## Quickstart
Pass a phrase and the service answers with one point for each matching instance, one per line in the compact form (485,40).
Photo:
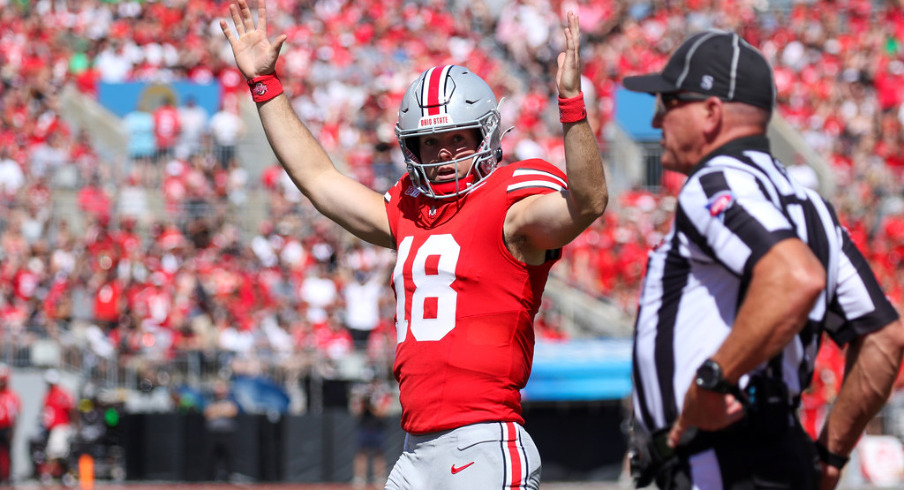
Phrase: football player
(475,241)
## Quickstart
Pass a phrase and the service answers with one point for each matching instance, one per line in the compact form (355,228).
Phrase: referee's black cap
(713,63)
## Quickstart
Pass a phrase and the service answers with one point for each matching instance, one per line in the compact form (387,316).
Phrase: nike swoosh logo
(456,470)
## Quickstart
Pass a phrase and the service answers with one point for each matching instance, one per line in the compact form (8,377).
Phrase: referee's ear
(713,122)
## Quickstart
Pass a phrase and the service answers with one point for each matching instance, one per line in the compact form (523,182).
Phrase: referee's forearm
(785,285)
(872,367)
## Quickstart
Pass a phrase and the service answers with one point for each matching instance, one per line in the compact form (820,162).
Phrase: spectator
(112,62)
(11,177)
(220,421)
(167,129)
(361,298)
(48,156)
(132,201)
(226,128)
(10,408)
(318,293)
(193,119)
(58,414)
(142,145)
(370,404)
(94,200)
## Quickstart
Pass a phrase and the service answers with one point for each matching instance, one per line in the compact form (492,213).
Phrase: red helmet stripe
(436,90)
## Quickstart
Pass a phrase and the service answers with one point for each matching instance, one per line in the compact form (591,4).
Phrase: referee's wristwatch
(709,377)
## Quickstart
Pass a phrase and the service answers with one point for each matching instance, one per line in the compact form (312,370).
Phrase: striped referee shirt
(733,208)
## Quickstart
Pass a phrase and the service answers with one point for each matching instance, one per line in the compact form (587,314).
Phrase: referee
(736,298)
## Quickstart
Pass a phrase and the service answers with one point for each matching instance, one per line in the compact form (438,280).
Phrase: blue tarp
(580,370)
(259,395)
(634,113)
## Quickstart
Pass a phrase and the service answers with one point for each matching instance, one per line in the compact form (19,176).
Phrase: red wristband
(572,110)
(265,87)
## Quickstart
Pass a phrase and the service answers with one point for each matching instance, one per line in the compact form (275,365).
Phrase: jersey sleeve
(534,176)
(392,199)
(731,218)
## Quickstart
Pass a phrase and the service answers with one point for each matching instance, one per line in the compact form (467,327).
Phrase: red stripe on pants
(514,456)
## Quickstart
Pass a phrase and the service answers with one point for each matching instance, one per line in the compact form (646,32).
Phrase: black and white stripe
(696,279)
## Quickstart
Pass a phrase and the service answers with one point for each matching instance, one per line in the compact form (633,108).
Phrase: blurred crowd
(190,283)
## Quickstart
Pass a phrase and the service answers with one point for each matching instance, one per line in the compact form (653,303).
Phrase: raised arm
(352,205)
(551,221)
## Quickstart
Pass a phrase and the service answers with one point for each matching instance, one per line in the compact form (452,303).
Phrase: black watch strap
(830,458)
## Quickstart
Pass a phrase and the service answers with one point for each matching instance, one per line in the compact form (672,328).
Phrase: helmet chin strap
(453,186)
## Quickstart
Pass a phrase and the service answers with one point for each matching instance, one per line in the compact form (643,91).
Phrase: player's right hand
(254,54)
(568,77)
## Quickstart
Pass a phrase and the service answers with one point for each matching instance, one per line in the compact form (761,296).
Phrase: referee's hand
(830,477)
(705,410)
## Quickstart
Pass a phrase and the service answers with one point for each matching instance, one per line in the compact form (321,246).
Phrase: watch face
(709,375)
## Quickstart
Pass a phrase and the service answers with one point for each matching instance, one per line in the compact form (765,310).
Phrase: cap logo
(707,82)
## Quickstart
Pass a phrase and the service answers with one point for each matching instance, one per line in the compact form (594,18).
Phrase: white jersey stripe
(529,171)
(534,183)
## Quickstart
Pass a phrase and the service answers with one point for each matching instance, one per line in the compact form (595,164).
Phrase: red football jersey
(464,304)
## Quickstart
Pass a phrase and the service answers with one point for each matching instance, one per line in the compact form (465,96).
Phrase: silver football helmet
(449,98)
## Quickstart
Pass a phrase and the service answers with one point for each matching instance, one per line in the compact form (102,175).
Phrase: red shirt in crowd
(166,126)
(58,406)
(10,408)
(107,301)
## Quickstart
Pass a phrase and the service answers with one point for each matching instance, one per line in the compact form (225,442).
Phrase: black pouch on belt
(768,409)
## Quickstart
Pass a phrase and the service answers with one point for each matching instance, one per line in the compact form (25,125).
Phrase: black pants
(749,461)
(5,455)
(219,456)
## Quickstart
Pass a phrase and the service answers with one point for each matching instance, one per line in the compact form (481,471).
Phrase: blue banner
(123,98)
(580,370)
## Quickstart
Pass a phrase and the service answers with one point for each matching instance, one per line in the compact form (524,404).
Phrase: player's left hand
(705,410)
(568,78)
